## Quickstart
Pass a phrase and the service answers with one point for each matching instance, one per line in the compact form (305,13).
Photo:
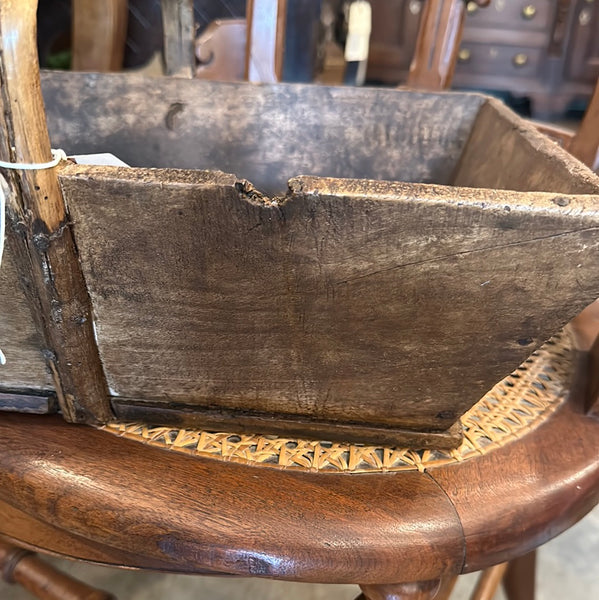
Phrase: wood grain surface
(264,133)
(512,500)
(40,239)
(99,34)
(179,34)
(359,302)
(507,153)
(226,517)
(190,514)
(585,143)
(39,536)
(25,368)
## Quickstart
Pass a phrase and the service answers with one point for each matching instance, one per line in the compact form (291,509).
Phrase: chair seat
(90,494)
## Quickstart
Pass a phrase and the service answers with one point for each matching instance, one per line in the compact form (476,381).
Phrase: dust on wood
(505,152)
(263,133)
(388,304)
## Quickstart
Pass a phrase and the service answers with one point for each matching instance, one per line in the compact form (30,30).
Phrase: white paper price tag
(358,34)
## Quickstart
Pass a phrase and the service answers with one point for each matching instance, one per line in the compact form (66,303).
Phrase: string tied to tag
(57,156)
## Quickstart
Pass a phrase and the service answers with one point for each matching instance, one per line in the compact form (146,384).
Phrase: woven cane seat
(515,406)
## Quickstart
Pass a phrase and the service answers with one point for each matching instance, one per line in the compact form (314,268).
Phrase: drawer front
(499,60)
(513,14)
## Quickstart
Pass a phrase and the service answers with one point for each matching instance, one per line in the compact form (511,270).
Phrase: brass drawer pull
(529,12)
(471,7)
(520,59)
(464,55)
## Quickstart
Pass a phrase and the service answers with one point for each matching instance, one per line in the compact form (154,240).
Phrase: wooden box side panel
(508,153)
(25,369)
(263,133)
(356,301)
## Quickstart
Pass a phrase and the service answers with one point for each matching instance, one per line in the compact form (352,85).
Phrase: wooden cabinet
(547,50)
(583,53)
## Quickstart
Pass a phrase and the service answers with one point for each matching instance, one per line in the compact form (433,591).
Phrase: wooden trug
(342,306)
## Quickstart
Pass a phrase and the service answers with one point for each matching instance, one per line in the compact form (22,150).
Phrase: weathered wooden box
(395,255)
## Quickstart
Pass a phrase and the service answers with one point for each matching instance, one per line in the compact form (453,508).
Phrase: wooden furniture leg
(446,587)
(488,582)
(99,34)
(437,45)
(519,579)
(43,581)
(420,590)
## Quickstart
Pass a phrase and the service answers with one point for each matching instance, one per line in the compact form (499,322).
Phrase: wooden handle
(39,235)
(27,137)
(43,581)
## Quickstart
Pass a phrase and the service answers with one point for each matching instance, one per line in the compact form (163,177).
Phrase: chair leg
(488,582)
(43,581)
(421,590)
(446,587)
(519,580)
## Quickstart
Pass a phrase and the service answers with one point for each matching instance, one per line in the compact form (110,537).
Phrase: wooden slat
(505,152)
(356,301)
(265,44)
(99,34)
(27,403)
(264,133)
(179,34)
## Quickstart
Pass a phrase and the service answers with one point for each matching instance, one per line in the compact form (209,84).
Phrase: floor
(568,568)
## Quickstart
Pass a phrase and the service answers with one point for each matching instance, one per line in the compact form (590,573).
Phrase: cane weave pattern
(519,403)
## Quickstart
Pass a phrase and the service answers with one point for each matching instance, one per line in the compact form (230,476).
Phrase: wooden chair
(402,525)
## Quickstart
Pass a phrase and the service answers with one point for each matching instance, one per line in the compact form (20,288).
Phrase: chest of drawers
(547,50)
